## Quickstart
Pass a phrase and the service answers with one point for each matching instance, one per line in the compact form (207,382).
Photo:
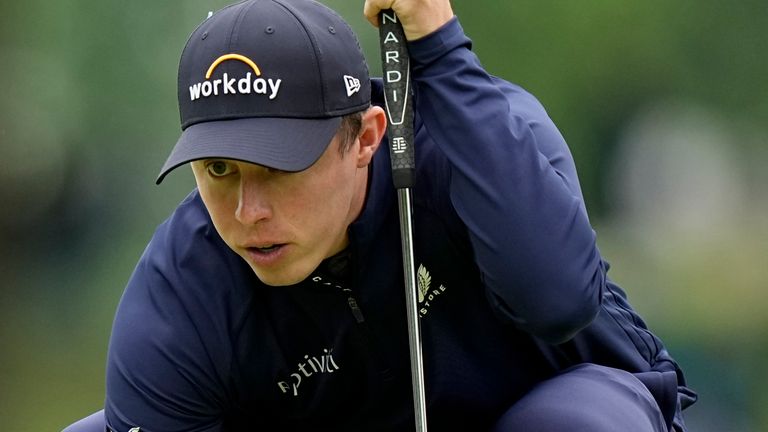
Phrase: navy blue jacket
(512,289)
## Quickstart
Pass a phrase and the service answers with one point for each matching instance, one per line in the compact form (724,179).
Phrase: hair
(349,130)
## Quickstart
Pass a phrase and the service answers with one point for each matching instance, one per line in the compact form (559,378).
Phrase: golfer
(272,298)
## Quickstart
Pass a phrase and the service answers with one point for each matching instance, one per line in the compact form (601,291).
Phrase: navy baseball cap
(266,82)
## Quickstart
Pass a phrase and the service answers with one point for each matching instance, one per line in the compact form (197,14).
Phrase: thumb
(373,8)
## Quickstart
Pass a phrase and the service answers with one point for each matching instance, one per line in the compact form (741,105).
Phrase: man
(272,298)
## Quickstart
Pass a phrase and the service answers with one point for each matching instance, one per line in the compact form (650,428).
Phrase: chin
(278,279)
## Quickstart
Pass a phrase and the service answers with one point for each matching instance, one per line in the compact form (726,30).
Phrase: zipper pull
(356,310)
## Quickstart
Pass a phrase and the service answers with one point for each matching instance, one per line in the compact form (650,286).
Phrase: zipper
(382,367)
(356,311)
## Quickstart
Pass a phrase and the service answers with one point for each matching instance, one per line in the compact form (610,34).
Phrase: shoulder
(186,275)
(187,246)
(187,289)
(173,331)
(189,224)
(186,261)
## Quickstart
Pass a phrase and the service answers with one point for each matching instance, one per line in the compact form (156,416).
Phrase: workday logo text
(250,83)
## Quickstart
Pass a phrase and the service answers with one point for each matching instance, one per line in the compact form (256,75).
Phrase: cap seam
(318,55)
(354,38)
(184,52)
(233,38)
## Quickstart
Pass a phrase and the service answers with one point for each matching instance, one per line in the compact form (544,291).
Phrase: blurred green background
(664,104)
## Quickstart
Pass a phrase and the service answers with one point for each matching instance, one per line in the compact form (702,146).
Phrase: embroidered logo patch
(427,295)
(234,85)
(352,84)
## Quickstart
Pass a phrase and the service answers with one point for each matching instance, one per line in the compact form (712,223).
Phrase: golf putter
(399,107)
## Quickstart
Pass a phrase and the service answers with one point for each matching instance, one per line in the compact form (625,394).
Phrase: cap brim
(287,144)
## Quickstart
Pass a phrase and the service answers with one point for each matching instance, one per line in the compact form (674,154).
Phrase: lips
(266,255)
(266,249)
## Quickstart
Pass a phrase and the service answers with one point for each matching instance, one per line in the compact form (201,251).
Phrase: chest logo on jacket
(427,295)
(312,365)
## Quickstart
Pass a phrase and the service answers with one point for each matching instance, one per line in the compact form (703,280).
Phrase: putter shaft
(412,304)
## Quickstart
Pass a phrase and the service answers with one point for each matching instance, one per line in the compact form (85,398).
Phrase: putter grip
(397,96)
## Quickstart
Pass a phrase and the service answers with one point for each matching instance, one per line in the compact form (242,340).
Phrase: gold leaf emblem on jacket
(424,279)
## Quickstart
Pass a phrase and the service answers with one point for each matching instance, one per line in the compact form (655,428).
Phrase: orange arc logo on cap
(226,57)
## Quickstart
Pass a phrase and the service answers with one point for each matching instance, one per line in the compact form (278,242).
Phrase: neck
(356,206)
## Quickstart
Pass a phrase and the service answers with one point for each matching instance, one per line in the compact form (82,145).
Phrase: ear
(372,130)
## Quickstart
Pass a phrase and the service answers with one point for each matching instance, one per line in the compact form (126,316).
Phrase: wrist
(437,44)
(426,24)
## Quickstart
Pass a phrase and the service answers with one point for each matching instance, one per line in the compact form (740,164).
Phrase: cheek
(309,205)
(325,201)
(222,215)
(334,189)
(221,208)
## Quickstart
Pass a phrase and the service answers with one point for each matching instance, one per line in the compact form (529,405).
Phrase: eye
(219,168)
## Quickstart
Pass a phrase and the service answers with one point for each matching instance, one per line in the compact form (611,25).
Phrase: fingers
(373,8)
(418,17)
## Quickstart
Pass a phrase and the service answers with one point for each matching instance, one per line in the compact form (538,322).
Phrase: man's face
(284,224)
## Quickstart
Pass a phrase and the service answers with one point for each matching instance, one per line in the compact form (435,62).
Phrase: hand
(419,17)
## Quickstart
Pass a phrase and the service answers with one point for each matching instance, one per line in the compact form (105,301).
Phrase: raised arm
(513,182)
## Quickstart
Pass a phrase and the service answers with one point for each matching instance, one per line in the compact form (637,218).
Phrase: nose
(253,204)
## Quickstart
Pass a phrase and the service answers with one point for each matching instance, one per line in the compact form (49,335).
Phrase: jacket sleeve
(160,375)
(514,185)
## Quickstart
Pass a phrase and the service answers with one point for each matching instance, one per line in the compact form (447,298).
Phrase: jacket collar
(380,197)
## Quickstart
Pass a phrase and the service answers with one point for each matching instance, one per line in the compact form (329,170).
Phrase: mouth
(267,255)
(266,249)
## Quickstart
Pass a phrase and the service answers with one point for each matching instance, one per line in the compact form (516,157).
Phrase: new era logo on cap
(352,84)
